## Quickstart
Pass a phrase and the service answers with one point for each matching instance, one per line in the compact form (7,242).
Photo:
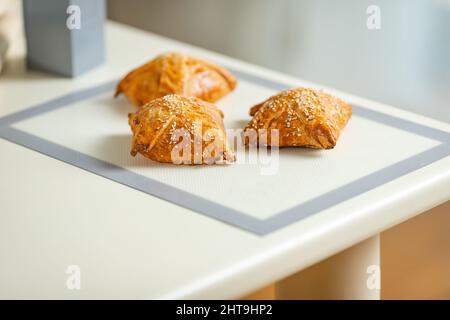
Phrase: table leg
(351,274)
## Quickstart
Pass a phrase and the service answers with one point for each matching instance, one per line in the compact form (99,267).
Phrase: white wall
(406,63)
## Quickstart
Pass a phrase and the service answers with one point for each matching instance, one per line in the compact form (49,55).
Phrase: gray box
(65,37)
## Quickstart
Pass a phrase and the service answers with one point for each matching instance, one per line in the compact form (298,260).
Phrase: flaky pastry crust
(163,126)
(304,117)
(174,73)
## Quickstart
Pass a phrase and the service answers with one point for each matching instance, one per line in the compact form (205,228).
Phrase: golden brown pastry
(174,73)
(304,118)
(179,130)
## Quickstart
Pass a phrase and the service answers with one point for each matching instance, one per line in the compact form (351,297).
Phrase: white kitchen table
(71,195)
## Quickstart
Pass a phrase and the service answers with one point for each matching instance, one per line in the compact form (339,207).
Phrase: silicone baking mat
(89,129)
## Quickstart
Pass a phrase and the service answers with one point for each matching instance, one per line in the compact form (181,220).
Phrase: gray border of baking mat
(210,208)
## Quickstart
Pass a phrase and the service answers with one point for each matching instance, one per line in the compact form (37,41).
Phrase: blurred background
(405,63)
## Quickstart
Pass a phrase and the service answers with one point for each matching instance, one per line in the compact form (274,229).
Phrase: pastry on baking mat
(304,118)
(174,73)
(180,130)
